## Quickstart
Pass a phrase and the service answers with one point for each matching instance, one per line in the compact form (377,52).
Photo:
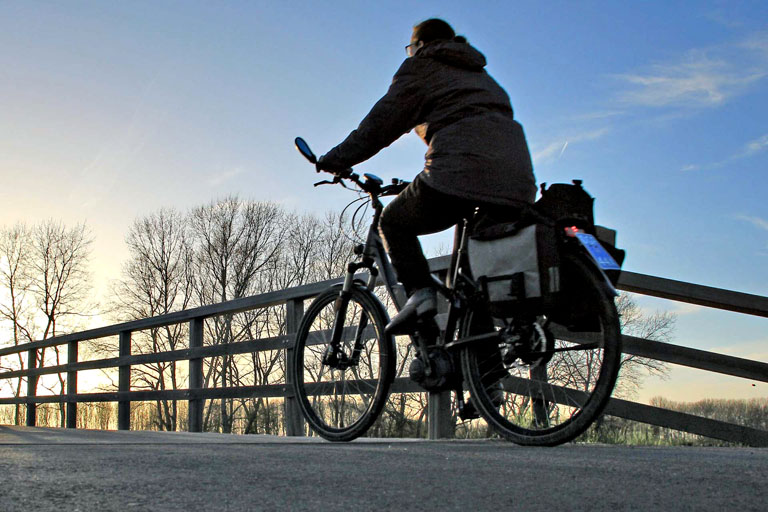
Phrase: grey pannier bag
(516,266)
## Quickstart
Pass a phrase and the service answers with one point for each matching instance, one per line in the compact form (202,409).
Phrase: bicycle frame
(374,258)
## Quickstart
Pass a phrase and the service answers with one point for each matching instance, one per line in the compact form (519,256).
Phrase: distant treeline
(751,413)
(269,419)
(748,413)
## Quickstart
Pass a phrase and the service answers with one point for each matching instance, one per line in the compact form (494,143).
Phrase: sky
(112,110)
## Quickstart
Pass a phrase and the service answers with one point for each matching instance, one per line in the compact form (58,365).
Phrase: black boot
(422,304)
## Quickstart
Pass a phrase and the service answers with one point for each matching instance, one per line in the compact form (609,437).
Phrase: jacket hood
(457,54)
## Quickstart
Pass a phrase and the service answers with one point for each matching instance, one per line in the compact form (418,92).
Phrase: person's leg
(417,210)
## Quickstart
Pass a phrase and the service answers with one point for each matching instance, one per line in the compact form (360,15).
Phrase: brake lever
(336,179)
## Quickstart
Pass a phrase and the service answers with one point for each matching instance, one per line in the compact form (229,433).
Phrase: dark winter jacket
(476,148)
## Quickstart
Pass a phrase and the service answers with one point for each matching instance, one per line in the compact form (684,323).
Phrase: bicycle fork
(334,356)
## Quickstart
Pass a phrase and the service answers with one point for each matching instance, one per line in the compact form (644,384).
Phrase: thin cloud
(754,349)
(757,43)
(222,177)
(751,148)
(650,306)
(700,78)
(724,17)
(598,115)
(755,221)
(697,82)
(756,146)
(683,309)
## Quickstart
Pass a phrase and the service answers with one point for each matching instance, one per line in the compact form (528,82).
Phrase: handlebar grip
(344,173)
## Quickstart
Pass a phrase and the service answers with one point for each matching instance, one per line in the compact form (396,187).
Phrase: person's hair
(435,29)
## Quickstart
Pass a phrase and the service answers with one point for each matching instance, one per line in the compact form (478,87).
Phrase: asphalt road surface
(50,469)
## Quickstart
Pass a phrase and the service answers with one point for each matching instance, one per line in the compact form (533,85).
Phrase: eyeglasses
(412,48)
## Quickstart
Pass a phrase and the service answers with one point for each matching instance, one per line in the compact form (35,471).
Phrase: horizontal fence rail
(438,411)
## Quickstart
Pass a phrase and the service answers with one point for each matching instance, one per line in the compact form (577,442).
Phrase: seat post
(459,248)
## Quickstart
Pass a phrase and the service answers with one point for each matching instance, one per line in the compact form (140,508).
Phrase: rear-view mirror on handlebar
(303,148)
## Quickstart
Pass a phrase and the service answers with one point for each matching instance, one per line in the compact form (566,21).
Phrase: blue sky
(110,110)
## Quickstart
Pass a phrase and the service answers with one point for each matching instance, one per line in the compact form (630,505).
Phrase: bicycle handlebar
(367,184)
(370,184)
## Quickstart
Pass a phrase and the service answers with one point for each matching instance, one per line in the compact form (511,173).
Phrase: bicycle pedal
(467,411)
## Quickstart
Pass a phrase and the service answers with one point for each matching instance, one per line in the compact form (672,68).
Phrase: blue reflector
(597,251)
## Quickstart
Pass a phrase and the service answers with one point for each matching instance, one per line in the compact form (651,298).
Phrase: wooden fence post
(196,376)
(439,420)
(124,383)
(31,388)
(294,420)
(71,385)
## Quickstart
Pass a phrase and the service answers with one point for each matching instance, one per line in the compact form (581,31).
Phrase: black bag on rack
(567,205)
(570,205)
(518,265)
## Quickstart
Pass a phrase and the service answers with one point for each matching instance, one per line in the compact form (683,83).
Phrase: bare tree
(45,273)
(313,249)
(235,241)
(338,238)
(157,279)
(14,309)
(657,326)
(293,266)
(222,251)
(60,283)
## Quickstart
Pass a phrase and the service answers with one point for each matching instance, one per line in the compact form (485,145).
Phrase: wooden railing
(439,412)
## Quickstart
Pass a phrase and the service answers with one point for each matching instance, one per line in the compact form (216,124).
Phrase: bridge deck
(51,469)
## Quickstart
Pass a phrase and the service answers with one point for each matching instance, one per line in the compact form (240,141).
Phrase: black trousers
(422,210)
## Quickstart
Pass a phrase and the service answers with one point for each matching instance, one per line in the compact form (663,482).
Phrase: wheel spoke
(343,389)
(555,382)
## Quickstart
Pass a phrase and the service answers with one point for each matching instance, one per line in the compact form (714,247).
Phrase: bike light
(572,230)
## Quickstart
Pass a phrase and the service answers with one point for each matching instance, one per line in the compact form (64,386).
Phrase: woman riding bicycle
(477,154)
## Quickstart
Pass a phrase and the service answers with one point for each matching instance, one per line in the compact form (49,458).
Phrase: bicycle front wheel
(342,385)
(549,389)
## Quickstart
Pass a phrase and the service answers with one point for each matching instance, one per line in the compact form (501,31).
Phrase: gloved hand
(329,164)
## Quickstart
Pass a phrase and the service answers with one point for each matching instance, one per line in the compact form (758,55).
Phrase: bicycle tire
(340,404)
(548,401)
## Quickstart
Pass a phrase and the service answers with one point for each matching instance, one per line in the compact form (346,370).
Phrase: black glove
(330,164)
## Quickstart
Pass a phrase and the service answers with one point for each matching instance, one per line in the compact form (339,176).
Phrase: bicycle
(535,382)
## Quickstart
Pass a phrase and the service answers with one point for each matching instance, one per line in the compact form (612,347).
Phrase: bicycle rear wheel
(342,389)
(550,391)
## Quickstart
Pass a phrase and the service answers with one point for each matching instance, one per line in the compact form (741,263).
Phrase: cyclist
(477,154)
